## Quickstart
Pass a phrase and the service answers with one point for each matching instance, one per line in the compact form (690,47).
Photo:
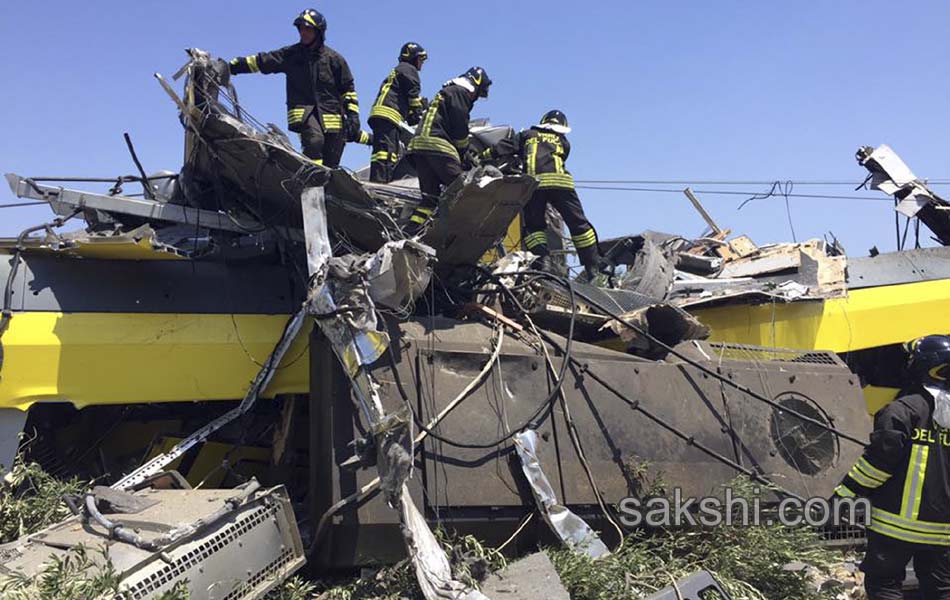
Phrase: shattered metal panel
(470,223)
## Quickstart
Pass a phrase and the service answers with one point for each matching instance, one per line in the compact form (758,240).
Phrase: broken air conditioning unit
(233,544)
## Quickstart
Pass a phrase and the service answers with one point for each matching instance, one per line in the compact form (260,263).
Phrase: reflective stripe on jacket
(317,79)
(398,95)
(904,472)
(543,153)
(444,127)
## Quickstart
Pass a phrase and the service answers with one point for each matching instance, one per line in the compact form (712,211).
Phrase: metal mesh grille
(759,354)
(271,571)
(166,577)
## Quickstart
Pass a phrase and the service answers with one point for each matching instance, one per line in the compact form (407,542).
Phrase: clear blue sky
(654,90)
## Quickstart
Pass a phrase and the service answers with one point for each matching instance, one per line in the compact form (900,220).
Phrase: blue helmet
(412,51)
(311,18)
(480,79)
(929,359)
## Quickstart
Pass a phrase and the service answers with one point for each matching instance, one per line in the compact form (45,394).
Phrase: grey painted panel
(894,268)
(11,424)
(50,283)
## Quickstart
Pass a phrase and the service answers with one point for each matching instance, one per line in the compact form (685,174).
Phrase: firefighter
(322,105)
(439,148)
(398,101)
(544,149)
(905,473)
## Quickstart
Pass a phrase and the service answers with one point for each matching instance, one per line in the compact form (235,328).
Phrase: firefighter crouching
(544,149)
(439,148)
(905,473)
(398,101)
(322,105)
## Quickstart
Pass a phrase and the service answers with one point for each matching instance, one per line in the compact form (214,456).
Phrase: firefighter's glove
(470,159)
(221,70)
(351,127)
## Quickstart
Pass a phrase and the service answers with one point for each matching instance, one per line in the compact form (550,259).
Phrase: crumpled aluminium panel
(573,530)
(342,297)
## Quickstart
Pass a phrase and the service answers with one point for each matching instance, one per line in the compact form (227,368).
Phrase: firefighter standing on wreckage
(905,473)
(398,101)
(440,149)
(322,105)
(544,149)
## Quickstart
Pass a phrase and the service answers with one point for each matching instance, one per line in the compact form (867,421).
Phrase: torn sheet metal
(573,531)
(891,175)
(471,220)
(669,324)
(342,297)
(433,571)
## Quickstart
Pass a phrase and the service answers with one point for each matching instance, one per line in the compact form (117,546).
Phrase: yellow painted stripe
(252,64)
(877,398)
(117,358)
(867,318)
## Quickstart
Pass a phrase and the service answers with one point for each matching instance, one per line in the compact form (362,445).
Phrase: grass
(748,561)
(31,500)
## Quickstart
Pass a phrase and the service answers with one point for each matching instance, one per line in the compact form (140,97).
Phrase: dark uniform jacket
(398,99)
(444,128)
(543,152)
(318,79)
(904,472)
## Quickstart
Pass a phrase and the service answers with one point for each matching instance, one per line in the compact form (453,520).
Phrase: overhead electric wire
(731,193)
(729,182)
(18,204)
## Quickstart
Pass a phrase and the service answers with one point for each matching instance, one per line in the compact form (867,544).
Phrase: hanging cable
(635,405)
(738,386)
(543,407)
